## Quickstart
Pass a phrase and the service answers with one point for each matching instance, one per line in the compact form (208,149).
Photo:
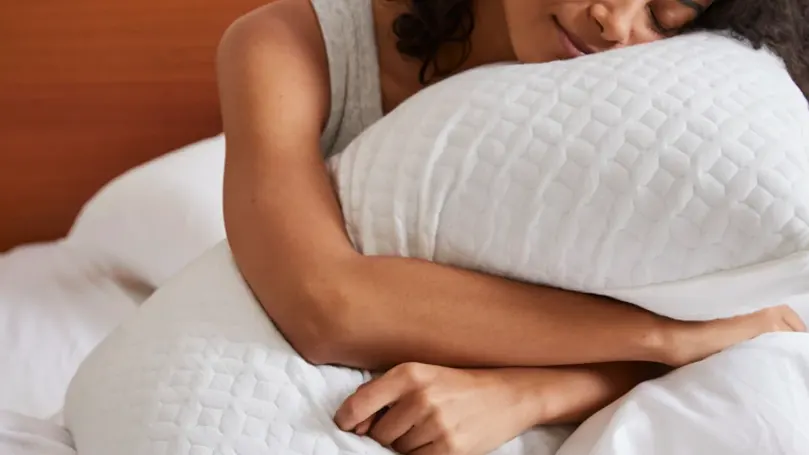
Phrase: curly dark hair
(780,25)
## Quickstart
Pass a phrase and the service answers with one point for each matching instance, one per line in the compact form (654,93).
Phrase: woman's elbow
(321,330)
(319,343)
(311,309)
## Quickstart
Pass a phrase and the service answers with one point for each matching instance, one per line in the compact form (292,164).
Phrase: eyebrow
(693,5)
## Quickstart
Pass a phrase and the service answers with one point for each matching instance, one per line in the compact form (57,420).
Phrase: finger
(368,400)
(363,427)
(791,319)
(419,436)
(400,418)
(795,322)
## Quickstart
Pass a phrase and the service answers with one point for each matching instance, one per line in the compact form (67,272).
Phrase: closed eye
(656,24)
(668,17)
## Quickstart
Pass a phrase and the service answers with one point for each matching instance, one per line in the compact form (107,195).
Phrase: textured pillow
(156,218)
(673,175)
(200,369)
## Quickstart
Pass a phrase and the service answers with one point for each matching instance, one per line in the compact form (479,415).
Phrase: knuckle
(411,371)
(415,375)
(351,409)
(424,399)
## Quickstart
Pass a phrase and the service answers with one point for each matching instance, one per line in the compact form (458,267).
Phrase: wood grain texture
(90,88)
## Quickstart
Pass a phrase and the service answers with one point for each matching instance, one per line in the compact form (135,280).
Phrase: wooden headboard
(90,88)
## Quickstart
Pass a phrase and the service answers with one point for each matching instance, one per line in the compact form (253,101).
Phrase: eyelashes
(656,24)
(693,5)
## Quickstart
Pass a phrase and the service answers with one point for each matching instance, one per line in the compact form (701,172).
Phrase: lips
(572,44)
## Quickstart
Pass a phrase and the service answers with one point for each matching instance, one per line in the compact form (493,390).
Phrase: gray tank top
(356,98)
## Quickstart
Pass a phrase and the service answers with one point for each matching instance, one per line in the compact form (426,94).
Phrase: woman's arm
(453,409)
(288,237)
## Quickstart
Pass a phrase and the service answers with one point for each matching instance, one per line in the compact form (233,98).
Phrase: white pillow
(673,175)
(201,369)
(154,219)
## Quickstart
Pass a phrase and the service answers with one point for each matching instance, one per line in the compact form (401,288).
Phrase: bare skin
(439,410)
(336,306)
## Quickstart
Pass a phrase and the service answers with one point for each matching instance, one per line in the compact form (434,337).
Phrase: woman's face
(548,30)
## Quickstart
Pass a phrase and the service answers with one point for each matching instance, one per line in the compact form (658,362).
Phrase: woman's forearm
(396,310)
(571,395)
(335,306)
(338,307)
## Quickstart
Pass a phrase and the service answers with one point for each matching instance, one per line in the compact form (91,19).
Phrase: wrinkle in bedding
(56,304)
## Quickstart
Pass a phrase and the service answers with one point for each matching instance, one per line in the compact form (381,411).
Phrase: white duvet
(675,179)
(56,304)
(59,299)
(24,435)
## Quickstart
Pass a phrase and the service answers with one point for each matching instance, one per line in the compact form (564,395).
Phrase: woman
(300,78)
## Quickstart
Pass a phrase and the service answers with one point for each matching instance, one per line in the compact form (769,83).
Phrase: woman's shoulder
(334,37)
(277,24)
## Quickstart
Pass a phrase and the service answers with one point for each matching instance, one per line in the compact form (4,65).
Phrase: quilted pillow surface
(673,175)
(656,174)
(200,369)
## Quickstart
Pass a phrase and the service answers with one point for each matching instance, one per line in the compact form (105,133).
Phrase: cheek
(518,11)
(538,44)
(646,37)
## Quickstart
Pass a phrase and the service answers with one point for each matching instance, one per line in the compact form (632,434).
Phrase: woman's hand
(429,410)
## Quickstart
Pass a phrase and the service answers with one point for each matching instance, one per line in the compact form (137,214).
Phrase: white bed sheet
(22,435)
(56,304)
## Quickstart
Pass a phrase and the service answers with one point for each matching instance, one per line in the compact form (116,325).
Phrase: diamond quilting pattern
(648,165)
(201,370)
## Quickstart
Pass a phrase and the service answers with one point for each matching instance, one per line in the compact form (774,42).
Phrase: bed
(89,89)
(93,92)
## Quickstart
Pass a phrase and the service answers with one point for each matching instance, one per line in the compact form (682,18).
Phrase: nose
(616,18)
